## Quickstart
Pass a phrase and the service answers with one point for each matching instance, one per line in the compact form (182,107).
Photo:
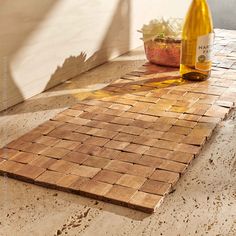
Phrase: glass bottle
(197,42)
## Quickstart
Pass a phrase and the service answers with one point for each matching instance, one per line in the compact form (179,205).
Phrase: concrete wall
(223,13)
(43,43)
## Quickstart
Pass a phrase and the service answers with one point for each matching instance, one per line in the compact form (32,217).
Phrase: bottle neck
(200,2)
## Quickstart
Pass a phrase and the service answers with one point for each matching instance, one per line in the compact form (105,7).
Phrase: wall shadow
(116,41)
(23,28)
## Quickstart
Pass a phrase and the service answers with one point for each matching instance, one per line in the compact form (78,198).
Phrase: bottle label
(204,51)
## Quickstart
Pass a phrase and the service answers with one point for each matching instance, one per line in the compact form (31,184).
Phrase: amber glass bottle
(197,42)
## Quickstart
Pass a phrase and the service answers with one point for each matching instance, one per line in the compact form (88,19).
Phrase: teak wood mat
(130,142)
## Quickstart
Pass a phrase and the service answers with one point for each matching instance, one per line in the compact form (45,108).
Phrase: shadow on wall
(116,41)
(10,46)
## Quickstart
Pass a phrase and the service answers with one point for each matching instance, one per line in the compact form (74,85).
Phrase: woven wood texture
(130,142)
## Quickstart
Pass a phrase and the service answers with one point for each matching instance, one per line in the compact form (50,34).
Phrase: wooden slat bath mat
(130,142)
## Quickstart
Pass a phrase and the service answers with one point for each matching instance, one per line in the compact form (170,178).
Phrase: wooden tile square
(180,130)
(71,112)
(97,141)
(88,149)
(104,117)
(16,144)
(49,178)
(107,176)
(73,136)
(158,152)
(217,111)
(66,181)
(173,166)
(84,171)
(112,127)
(195,139)
(186,123)
(190,117)
(55,152)
(201,131)
(10,167)
(43,162)
(113,112)
(84,129)
(145,201)
(125,137)
(167,120)
(150,161)
(94,124)
(198,109)
(29,172)
(160,126)
(140,170)
(6,153)
(48,126)
(87,115)
(120,107)
(62,118)
(62,166)
(119,166)
(108,153)
(188,148)
(93,131)
(136,148)
(181,157)
(105,133)
(128,157)
(24,157)
(95,188)
(131,181)
(170,136)
(156,187)
(140,107)
(132,130)
(142,140)
(122,121)
(165,176)
(129,115)
(120,194)
(206,119)
(75,186)
(148,133)
(118,145)
(76,157)
(146,117)
(141,124)
(47,140)
(66,144)
(78,121)
(163,144)
(31,136)
(33,147)
(96,162)
(59,133)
